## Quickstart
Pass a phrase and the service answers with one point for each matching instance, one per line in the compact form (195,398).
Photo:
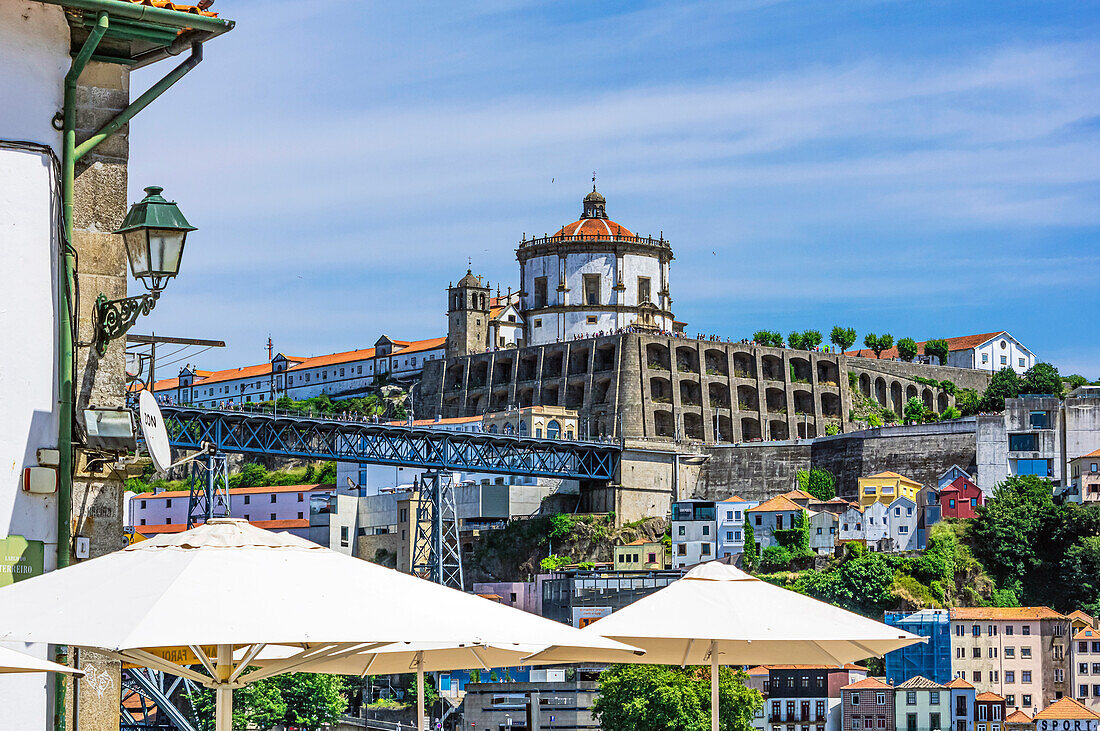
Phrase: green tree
(553,562)
(1004,384)
(863,584)
(1009,529)
(878,343)
(950,413)
(1076,381)
(937,348)
(666,698)
(842,337)
(1041,378)
(1081,567)
(907,349)
(914,410)
(312,700)
(969,401)
(256,705)
(818,482)
(327,475)
(811,339)
(768,337)
(431,695)
(775,558)
(251,475)
(749,558)
(794,339)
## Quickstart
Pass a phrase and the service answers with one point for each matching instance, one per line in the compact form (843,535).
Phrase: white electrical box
(40,480)
(83,547)
(48,457)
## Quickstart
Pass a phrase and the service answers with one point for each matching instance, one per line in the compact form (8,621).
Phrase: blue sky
(924,168)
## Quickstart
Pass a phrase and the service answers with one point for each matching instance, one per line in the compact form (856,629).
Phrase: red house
(960,499)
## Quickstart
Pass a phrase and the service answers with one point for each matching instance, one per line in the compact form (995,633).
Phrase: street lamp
(154,233)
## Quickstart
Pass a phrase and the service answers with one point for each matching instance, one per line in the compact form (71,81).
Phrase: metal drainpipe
(66,354)
(65,327)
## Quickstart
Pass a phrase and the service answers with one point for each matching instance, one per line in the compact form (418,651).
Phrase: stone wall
(752,471)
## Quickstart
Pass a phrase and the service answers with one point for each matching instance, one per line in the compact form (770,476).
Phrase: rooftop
(963,342)
(959,683)
(1018,716)
(867,684)
(919,682)
(239,491)
(1068,708)
(1005,613)
(990,697)
(887,475)
(779,502)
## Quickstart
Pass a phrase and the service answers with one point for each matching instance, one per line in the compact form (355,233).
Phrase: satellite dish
(152,429)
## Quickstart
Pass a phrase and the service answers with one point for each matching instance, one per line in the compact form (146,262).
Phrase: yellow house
(641,555)
(886,487)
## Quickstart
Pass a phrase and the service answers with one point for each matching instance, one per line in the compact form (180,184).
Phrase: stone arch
(926,396)
(690,393)
(529,367)
(716,362)
(773,368)
(744,365)
(574,395)
(725,429)
(454,376)
(827,373)
(942,402)
(880,391)
(552,363)
(747,399)
(602,392)
(479,374)
(687,359)
(502,371)
(911,392)
(605,357)
(750,429)
(806,430)
(657,357)
(578,360)
(477,403)
(499,400)
(898,404)
(718,394)
(526,397)
(803,402)
(830,405)
(660,390)
(662,423)
(778,430)
(776,400)
(693,425)
(549,394)
(800,370)
(865,384)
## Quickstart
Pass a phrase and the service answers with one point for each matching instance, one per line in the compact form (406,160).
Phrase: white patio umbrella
(13,661)
(719,615)
(219,594)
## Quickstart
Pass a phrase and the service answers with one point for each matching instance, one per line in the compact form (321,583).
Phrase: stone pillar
(735,407)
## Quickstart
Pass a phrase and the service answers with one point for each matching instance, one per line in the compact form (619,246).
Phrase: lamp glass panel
(165,251)
(137,252)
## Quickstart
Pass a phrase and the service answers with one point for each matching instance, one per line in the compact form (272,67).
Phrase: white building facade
(593,276)
(694,529)
(731,516)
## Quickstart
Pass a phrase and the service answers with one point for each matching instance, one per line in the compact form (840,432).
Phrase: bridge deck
(294,435)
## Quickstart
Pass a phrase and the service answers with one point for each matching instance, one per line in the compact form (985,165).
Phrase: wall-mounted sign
(20,559)
(584,616)
(1067,724)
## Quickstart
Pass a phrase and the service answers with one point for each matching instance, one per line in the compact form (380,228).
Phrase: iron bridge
(323,438)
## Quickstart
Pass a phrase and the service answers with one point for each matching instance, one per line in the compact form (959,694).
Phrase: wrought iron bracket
(115,317)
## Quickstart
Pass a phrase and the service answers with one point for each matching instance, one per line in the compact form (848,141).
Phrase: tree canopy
(1004,384)
(907,349)
(1041,378)
(937,348)
(768,337)
(843,337)
(878,343)
(818,482)
(305,700)
(667,698)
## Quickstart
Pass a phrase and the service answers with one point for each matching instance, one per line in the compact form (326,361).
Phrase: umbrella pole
(223,693)
(420,691)
(713,685)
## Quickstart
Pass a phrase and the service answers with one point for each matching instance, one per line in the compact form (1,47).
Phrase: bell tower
(467,317)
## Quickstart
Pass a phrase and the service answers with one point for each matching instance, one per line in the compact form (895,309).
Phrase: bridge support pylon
(209,489)
(437,555)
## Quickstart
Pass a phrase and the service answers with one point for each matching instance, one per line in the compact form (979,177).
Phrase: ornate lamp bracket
(115,317)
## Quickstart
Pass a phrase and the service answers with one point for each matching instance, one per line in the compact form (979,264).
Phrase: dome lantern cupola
(595,206)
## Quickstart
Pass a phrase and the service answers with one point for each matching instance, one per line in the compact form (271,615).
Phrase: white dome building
(593,276)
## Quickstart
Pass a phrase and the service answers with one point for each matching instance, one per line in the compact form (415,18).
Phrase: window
(1082,691)
(643,290)
(143,507)
(143,521)
(168,503)
(300,515)
(910,722)
(993,652)
(729,535)
(880,699)
(729,515)
(983,712)
(1010,676)
(985,357)
(1083,667)
(933,721)
(681,530)
(1025,652)
(819,531)
(1023,442)
(343,535)
(273,516)
(706,530)
(737,535)
(301,497)
(976,630)
(903,529)
(591,320)
(959,630)
(911,698)
(651,558)
(857,721)
(272,497)
(1008,629)
(592,289)
(1026,700)
(1059,675)
(991,630)
(1025,676)
(976,676)
(681,549)
(538,323)
(1025,630)
(706,549)
(759,519)
(975,652)
(960,652)
(540,292)
(1010,701)
(1096,690)
(855,699)
(168,521)
(1021,361)
(1096,668)
(1038,420)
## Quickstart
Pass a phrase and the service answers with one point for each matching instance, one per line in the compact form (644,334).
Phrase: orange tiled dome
(594,227)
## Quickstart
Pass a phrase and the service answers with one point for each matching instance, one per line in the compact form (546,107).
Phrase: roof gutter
(148,14)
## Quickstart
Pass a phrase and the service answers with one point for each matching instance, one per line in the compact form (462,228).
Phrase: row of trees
(845,337)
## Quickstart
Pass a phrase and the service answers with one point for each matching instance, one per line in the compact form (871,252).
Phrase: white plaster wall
(635,266)
(34,45)
(993,351)
(903,512)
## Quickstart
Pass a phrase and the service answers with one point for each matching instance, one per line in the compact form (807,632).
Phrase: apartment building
(868,704)
(886,487)
(1084,479)
(963,700)
(694,529)
(732,514)
(1020,653)
(772,515)
(989,712)
(640,555)
(808,697)
(921,704)
(280,507)
(932,659)
(1085,663)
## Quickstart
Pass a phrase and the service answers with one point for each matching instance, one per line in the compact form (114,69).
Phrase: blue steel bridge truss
(364,443)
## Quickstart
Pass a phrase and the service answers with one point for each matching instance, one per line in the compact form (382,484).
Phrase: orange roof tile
(179,8)
(1005,613)
(593,227)
(1093,453)
(435,422)
(918,682)
(847,666)
(987,696)
(1088,633)
(734,499)
(959,683)
(419,345)
(963,342)
(639,542)
(892,476)
(758,670)
(1081,616)
(150,530)
(866,683)
(1018,716)
(334,359)
(1068,708)
(240,490)
(779,502)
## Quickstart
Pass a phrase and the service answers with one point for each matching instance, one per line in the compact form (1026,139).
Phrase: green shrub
(774,558)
